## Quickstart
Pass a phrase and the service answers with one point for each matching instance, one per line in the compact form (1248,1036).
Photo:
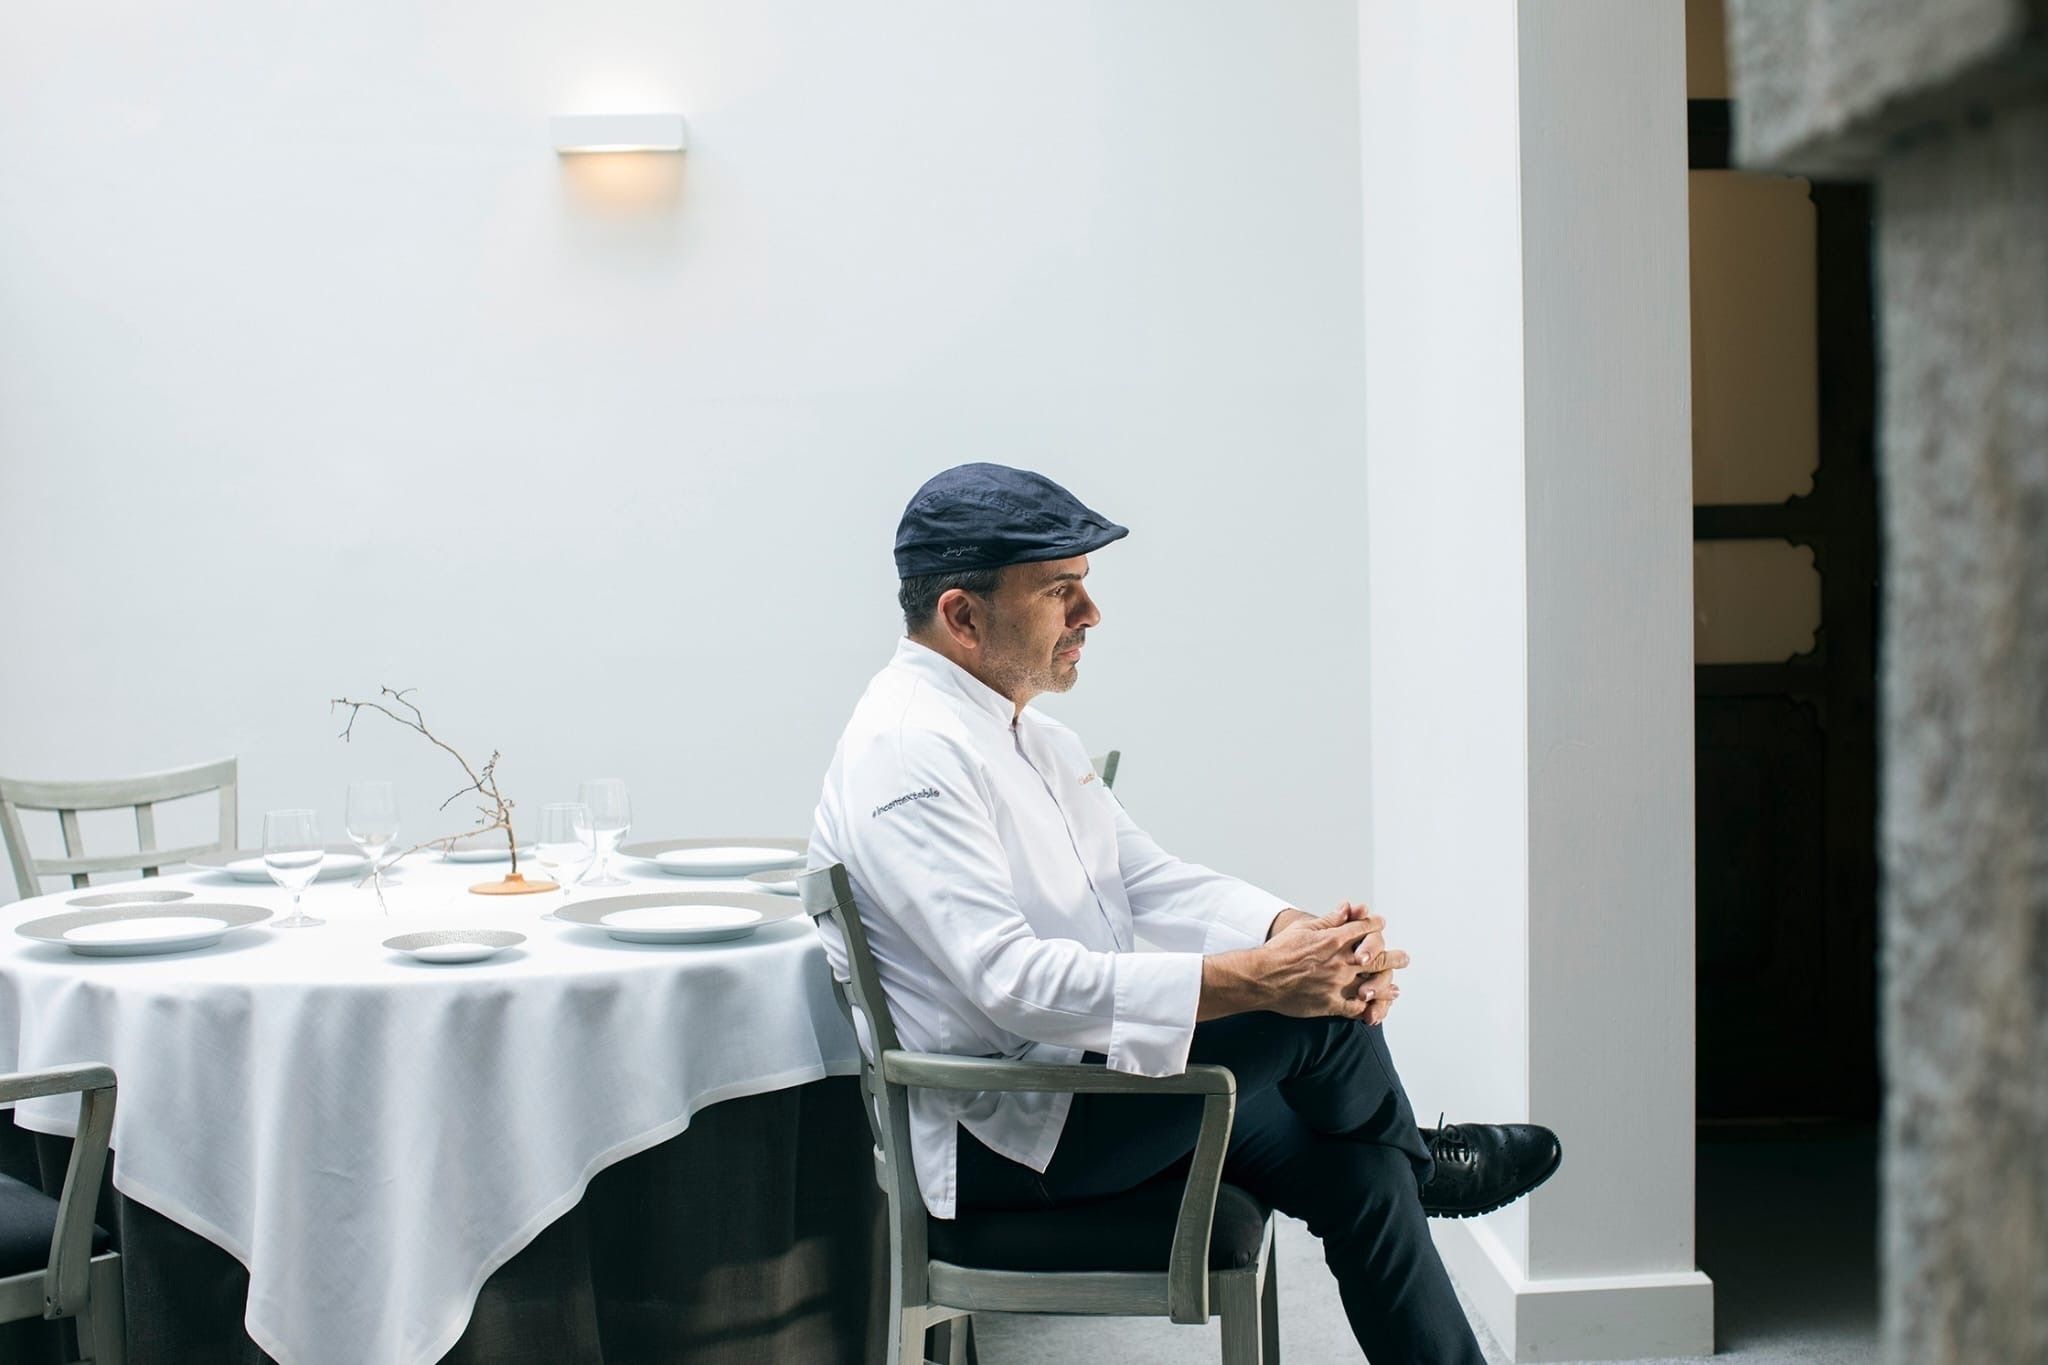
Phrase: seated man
(1005,891)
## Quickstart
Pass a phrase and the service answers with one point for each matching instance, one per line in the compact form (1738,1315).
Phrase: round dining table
(370,1135)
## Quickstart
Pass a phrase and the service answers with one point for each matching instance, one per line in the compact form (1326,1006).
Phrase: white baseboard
(1600,1317)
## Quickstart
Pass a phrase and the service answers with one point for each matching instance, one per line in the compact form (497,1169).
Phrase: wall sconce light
(579,133)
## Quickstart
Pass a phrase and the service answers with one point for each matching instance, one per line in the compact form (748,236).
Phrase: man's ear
(961,616)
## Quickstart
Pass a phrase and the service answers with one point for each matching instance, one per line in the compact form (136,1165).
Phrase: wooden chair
(1170,1249)
(1105,766)
(67,799)
(53,1261)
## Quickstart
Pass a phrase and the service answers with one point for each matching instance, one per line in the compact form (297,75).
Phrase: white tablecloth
(372,1136)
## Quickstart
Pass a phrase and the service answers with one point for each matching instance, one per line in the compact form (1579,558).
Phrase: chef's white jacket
(1004,893)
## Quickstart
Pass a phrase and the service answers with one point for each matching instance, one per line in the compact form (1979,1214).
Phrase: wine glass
(373,824)
(291,855)
(565,845)
(611,815)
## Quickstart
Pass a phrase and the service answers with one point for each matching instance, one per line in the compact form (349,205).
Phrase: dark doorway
(1785,538)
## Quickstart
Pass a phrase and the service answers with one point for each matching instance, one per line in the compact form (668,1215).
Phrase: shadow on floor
(1787,1230)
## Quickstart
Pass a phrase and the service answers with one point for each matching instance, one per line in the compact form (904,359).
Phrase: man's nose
(1084,612)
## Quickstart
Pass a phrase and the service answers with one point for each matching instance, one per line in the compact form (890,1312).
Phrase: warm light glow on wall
(575,134)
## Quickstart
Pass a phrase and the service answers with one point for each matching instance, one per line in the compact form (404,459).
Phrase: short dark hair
(919,597)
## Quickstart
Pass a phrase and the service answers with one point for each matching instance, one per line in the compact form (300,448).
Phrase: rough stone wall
(1963,254)
(1944,106)
(1830,86)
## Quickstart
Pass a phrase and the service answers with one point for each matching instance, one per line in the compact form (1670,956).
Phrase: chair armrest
(57,1080)
(67,1285)
(938,1071)
(1187,1264)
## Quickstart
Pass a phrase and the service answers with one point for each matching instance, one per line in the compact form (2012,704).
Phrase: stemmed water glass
(291,855)
(611,815)
(565,845)
(373,824)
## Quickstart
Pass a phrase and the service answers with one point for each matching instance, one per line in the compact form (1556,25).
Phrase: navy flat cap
(983,516)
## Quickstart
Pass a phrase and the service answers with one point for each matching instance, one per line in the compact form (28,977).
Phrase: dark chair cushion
(28,1223)
(1132,1231)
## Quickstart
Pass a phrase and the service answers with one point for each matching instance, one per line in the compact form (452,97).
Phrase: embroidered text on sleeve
(922,794)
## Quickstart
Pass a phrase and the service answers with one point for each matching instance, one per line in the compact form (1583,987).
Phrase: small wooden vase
(514,884)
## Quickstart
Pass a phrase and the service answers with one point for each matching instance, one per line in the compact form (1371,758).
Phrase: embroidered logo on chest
(1087,777)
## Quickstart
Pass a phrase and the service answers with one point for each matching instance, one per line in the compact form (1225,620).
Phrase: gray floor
(1787,1230)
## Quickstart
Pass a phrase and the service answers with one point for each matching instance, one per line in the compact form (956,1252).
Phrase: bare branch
(495,816)
(419,725)
(447,841)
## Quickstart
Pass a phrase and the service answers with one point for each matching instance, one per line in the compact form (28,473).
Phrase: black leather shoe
(1484,1166)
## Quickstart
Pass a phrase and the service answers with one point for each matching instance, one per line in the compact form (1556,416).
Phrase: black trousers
(1324,1133)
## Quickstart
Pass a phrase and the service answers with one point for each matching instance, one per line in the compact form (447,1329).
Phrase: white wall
(318,370)
(1445,548)
(1529,566)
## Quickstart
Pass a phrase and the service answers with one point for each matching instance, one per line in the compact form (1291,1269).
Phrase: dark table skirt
(754,1237)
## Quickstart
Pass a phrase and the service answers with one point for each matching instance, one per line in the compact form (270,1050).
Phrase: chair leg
(103,1326)
(1236,1295)
(906,1337)
(1269,1309)
(948,1343)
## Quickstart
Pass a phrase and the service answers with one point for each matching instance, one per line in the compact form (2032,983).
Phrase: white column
(1529,562)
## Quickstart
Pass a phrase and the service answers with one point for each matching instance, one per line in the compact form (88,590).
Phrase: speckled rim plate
(595,912)
(198,924)
(246,864)
(455,945)
(735,856)
(488,847)
(106,898)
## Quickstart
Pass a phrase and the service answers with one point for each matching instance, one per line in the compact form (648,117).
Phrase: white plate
(782,880)
(179,928)
(455,945)
(734,861)
(681,923)
(679,916)
(482,854)
(135,931)
(246,864)
(332,865)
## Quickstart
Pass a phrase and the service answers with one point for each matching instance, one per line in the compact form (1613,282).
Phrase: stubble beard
(1018,676)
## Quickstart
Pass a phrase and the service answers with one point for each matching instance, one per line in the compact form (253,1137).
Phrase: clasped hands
(1335,964)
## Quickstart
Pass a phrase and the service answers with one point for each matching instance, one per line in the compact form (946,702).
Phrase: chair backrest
(67,1282)
(1105,766)
(143,794)
(828,895)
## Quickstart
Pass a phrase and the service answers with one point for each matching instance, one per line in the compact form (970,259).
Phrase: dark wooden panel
(1762,883)
(1803,676)
(1787,752)
(1796,520)
(1710,134)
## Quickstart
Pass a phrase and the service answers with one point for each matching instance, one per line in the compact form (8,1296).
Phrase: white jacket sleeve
(921,827)
(1185,906)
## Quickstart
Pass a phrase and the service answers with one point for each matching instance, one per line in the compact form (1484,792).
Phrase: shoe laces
(1448,1143)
